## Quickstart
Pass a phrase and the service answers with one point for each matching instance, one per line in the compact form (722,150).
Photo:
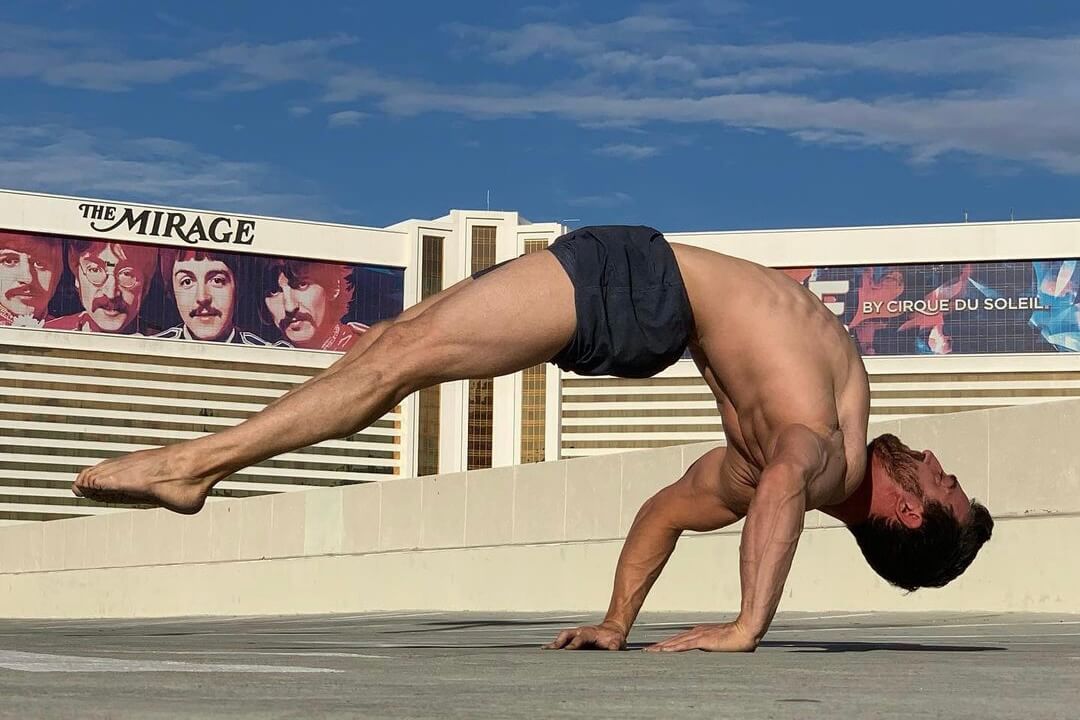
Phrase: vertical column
(481,391)
(429,399)
(534,397)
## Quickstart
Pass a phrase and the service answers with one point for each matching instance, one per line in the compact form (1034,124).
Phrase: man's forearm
(648,546)
(769,538)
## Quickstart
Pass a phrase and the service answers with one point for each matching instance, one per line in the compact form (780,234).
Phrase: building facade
(127,326)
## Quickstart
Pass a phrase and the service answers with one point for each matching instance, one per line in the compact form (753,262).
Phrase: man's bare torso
(775,356)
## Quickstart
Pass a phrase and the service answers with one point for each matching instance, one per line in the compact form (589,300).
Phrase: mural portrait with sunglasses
(111,280)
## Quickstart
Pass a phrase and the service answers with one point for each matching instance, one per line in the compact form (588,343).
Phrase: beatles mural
(192,293)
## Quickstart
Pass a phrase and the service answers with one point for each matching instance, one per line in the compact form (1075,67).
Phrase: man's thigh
(516,316)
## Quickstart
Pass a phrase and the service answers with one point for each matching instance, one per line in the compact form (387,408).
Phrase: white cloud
(246,67)
(992,96)
(605,200)
(345,118)
(61,159)
(627,151)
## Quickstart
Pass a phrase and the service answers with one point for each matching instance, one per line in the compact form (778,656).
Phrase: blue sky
(686,114)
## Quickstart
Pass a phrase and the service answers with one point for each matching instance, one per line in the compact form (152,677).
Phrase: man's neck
(856,507)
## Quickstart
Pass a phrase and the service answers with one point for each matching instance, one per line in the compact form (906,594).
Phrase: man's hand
(590,637)
(726,637)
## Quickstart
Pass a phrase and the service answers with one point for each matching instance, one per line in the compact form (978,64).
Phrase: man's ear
(909,511)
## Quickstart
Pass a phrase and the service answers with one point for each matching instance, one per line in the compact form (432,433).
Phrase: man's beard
(901,461)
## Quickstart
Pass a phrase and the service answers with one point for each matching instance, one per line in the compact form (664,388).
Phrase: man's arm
(691,503)
(774,522)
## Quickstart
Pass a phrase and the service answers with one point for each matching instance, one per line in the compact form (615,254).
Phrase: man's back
(775,356)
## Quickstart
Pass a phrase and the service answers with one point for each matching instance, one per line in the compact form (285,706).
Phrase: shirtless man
(790,385)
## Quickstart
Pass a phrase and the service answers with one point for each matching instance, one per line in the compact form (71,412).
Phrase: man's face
(938,486)
(921,475)
(205,292)
(299,310)
(28,278)
(110,288)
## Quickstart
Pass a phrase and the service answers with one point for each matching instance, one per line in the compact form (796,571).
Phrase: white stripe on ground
(38,662)
(251,652)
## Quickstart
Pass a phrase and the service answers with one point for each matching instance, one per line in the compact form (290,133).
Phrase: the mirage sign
(189,227)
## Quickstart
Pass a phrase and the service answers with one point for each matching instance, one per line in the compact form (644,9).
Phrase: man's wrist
(751,628)
(623,628)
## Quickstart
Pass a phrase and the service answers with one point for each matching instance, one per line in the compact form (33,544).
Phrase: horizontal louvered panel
(700,388)
(965,385)
(635,405)
(63,481)
(639,437)
(126,447)
(141,387)
(57,395)
(44,363)
(68,407)
(630,422)
(150,418)
(254,470)
(601,415)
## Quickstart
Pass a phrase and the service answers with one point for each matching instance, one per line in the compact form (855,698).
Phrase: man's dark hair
(142,257)
(331,276)
(931,555)
(168,257)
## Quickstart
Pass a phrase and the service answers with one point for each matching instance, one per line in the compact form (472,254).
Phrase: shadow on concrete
(856,646)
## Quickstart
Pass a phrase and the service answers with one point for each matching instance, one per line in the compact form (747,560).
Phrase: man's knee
(412,351)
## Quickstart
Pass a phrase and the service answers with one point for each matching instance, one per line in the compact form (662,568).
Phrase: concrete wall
(542,537)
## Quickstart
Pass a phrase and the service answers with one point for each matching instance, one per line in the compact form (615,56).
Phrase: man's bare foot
(148,477)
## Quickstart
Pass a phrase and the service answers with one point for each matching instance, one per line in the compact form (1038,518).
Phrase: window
(429,399)
(481,391)
(533,396)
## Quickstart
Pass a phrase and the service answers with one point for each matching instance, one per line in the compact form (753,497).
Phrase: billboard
(954,308)
(191,293)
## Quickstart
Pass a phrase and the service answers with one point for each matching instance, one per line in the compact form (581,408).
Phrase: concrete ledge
(540,537)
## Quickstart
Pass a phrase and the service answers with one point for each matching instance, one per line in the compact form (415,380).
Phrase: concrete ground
(445,665)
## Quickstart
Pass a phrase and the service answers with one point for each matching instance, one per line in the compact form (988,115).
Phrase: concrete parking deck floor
(445,665)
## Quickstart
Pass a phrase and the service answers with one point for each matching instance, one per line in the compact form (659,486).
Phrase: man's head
(923,530)
(112,280)
(305,300)
(204,286)
(30,270)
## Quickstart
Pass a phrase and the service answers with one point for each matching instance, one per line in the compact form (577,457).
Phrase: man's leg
(366,340)
(513,318)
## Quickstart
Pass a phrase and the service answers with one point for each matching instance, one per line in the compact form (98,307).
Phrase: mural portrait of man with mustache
(206,287)
(112,279)
(306,302)
(30,269)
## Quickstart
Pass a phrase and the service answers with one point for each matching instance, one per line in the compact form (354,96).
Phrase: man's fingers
(675,642)
(580,639)
(560,640)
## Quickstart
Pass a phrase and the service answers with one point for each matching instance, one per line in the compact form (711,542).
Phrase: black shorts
(633,314)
